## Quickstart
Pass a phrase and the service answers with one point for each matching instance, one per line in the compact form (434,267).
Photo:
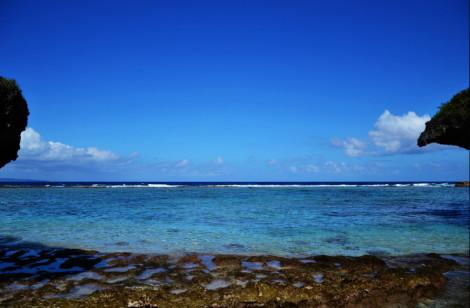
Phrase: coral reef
(56,277)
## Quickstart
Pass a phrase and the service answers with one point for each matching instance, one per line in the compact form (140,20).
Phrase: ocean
(283,219)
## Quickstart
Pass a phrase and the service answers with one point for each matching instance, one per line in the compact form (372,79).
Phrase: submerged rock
(234,281)
(217,284)
(451,125)
(13,119)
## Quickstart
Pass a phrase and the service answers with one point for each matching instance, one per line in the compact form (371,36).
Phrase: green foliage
(455,110)
(13,119)
(8,85)
(451,124)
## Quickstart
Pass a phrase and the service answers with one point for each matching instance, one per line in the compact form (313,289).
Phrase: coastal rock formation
(13,119)
(55,277)
(451,125)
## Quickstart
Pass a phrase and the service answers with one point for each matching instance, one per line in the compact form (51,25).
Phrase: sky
(234,90)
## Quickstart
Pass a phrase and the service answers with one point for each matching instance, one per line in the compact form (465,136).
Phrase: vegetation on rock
(13,119)
(451,125)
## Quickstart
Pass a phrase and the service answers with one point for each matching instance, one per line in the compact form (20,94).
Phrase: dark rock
(68,253)
(84,262)
(451,125)
(13,119)
(462,184)
(122,243)
(163,281)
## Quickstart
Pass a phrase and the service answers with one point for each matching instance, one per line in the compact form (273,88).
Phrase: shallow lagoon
(277,220)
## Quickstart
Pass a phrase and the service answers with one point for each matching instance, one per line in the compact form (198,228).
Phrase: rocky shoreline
(45,277)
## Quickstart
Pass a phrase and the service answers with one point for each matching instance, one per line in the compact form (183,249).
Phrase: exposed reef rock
(462,184)
(13,119)
(451,125)
(55,277)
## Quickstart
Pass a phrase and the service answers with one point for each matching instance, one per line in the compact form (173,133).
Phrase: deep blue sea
(286,219)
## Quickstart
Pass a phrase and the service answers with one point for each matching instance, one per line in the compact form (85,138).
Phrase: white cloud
(342,167)
(311,168)
(293,169)
(272,162)
(34,148)
(392,134)
(219,161)
(335,167)
(304,168)
(182,163)
(185,168)
(50,160)
(352,146)
(398,134)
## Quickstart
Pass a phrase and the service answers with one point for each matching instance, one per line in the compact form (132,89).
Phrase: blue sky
(234,90)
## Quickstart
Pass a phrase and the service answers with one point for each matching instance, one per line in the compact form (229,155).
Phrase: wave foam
(254,185)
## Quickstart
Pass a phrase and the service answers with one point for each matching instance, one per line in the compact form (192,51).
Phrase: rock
(462,184)
(13,119)
(366,281)
(451,125)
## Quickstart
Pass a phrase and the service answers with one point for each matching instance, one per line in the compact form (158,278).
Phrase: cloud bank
(398,134)
(352,146)
(392,134)
(48,160)
(34,148)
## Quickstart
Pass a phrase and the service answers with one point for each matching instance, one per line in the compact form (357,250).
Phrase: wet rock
(227,261)
(83,290)
(217,284)
(85,262)
(150,272)
(318,277)
(252,266)
(190,265)
(85,276)
(207,261)
(274,264)
(116,279)
(177,291)
(121,269)
(462,184)
(236,281)
(307,261)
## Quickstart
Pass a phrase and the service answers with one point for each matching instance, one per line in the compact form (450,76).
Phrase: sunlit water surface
(287,221)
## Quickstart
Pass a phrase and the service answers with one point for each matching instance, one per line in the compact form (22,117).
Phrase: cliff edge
(13,119)
(451,125)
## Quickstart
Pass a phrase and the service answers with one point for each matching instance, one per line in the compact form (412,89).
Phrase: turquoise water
(279,220)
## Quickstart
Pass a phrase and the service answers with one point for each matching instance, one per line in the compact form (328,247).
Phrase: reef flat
(58,277)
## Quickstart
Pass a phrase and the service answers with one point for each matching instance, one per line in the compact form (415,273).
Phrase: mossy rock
(451,125)
(13,119)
